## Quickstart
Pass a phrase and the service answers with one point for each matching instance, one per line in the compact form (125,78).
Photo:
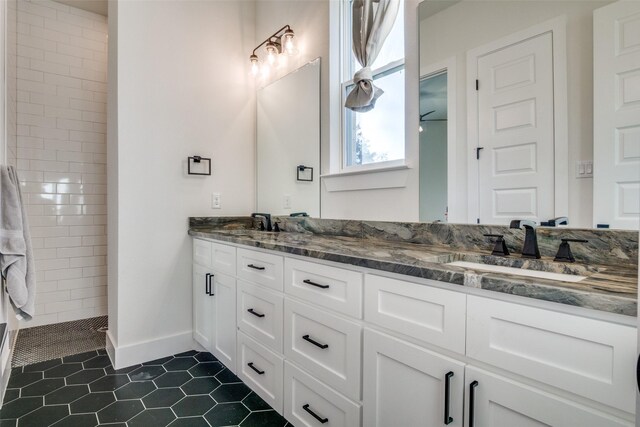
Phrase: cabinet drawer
(202,252)
(331,287)
(260,314)
(223,259)
(588,357)
(325,345)
(305,396)
(427,313)
(261,370)
(262,268)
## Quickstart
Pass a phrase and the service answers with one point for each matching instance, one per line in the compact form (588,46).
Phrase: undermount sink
(537,268)
(560,277)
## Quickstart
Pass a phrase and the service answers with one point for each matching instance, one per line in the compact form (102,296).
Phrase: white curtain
(372,23)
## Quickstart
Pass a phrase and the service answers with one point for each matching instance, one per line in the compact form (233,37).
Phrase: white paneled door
(616,148)
(516,131)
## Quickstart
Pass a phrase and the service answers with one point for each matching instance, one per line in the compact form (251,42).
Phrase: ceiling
(430,7)
(95,6)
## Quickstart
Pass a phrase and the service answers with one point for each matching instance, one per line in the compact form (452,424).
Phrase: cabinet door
(497,401)
(224,323)
(203,306)
(406,385)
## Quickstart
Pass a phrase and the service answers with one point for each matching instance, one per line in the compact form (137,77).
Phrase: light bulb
(287,42)
(271,53)
(420,129)
(255,65)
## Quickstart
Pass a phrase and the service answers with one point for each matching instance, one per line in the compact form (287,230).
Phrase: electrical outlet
(216,201)
(584,169)
(286,201)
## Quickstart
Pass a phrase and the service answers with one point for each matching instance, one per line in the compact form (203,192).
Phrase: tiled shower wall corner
(11,84)
(62,91)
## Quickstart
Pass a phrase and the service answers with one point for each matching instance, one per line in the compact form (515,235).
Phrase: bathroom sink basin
(559,277)
(538,268)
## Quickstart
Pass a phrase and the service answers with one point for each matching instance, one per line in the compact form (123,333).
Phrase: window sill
(367,179)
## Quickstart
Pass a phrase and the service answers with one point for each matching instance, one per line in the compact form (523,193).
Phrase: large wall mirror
(288,143)
(530,110)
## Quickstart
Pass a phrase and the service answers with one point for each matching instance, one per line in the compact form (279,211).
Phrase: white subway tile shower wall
(61,124)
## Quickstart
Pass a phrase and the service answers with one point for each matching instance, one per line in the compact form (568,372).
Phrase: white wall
(183,88)
(470,24)
(61,122)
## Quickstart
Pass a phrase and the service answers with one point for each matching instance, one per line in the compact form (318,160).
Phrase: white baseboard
(132,354)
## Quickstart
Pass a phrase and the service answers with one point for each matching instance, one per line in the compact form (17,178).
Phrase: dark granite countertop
(610,288)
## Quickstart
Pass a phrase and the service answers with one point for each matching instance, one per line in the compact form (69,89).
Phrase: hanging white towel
(16,254)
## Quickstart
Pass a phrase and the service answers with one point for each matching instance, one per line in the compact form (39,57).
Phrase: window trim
(347,71)
(388,69)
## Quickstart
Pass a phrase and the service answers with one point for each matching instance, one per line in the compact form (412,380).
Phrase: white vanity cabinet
(331,346)
(214,299)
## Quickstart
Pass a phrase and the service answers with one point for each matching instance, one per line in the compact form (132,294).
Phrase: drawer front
(588,357)
(262,268)
(223,258)
(427,313)
(325,345)
(306,398)
(261,370)
(331,287)
(202,252)
(260,314)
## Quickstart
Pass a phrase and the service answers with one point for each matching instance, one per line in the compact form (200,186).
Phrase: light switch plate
(216,201)
(286,201)
(584,168)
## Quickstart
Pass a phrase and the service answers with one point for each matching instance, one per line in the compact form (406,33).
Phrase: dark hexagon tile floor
(189,389)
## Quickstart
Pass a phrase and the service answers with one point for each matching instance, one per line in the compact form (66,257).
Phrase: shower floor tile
(50,342)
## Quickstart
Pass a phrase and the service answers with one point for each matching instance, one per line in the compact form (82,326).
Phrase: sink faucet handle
(267,219)
(561,220)
(575,240)
(500,248)
(564,251)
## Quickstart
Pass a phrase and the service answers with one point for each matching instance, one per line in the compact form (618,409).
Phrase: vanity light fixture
(279,43)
